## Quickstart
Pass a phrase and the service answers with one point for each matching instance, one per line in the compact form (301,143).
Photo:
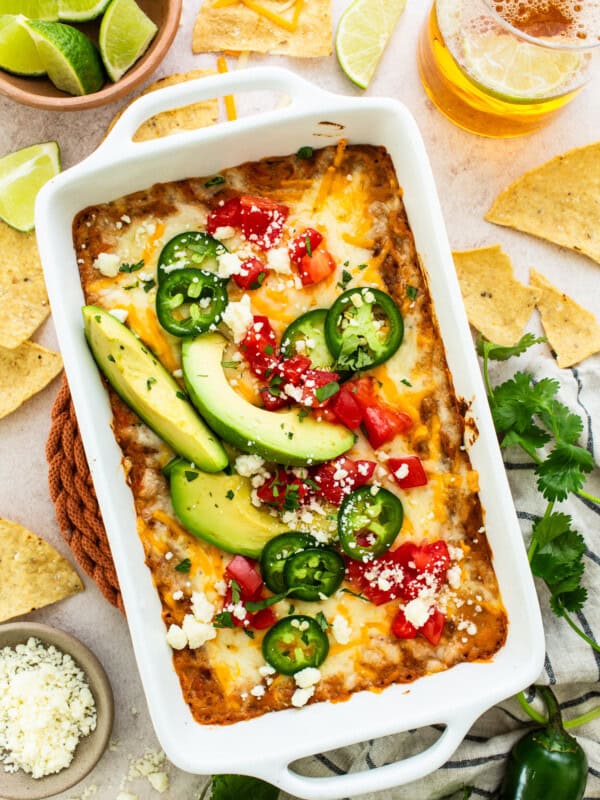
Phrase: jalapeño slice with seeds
(305,336)
(369,522)
(276,552)
(294,643)
(316,571)
(194,249)
(363,328)
(190,301)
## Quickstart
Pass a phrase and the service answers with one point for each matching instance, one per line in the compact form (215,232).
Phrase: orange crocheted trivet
(74,498)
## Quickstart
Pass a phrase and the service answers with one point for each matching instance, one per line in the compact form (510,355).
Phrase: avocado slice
(281,436)
(218,508)
(145,385)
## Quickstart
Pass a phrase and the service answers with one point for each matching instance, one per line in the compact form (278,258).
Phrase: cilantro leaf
(514,403)
(235,787)
(569,601)
(566,425)
(563,471)
(498,352)
(557,553)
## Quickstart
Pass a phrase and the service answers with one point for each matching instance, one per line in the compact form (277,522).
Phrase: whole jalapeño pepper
(547,762)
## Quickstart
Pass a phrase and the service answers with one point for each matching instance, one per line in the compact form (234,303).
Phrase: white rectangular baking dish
(266,746)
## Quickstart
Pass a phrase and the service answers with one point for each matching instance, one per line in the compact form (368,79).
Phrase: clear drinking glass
(507,67)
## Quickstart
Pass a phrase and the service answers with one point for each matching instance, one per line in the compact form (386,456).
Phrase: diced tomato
(363,391)
(316,267)
(292,369)
(283,490)
(433,557)
(252,274)
(304,244)
(407,471)
(273,402)
(259,347)
(259,620)
(383,424)
(261,220)
(401,573)
(347,408)
(265,618)
(312,380)
(224,216)
(245,571)
(338,478)
(402,628)
(432,630)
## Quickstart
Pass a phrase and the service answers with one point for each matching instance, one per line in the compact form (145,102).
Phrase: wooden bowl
(21,786)
(41,93)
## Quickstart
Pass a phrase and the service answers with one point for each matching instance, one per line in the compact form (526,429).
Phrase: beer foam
(575,21)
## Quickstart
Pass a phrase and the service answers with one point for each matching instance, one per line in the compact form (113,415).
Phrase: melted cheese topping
(347,207)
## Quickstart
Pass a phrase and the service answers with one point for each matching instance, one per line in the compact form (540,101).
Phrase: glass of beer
(507,67)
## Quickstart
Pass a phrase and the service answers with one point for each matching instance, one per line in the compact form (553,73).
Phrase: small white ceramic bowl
(21,786)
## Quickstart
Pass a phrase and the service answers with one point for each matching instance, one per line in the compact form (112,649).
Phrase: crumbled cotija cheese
(46,706)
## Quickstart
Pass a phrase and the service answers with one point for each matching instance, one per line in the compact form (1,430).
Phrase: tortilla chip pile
(300,28)
(559,201)
(25,368)
(34,575)
(499,306)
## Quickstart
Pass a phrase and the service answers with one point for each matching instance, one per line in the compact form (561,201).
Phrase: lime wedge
(71,60)
(80,10)
(18,53)
(22,175)
(125,35)
(33,9)
(518,70)
(362,35)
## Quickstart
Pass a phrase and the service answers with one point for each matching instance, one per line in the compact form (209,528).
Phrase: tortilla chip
(186,118)
(572,331)
(25,371)
(23,299)
(33,573)
(559,201)
(238,27)
(497,304)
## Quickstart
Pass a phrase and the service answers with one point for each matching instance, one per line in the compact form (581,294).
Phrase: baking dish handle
(119,141)
(396,773)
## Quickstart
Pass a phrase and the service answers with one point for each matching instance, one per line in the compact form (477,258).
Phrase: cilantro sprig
(528,414)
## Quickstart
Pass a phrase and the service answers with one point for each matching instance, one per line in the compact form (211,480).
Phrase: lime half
(33,9)
(362,35)
(18,53)
(518,70)
(125,35)
(71,60)
(80,10)
(22,175)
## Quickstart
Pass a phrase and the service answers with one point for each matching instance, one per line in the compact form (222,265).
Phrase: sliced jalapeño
(294,643)
(368,522)
(190,301)
(194,249)
(363,328)
(317,572)
(276,552)
(305,336)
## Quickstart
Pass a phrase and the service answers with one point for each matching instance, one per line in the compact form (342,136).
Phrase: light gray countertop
(469,172)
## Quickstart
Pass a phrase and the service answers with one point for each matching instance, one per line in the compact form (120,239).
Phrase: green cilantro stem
(571,622)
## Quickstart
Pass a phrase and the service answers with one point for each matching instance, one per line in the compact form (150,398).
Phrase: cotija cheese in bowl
(56,711)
